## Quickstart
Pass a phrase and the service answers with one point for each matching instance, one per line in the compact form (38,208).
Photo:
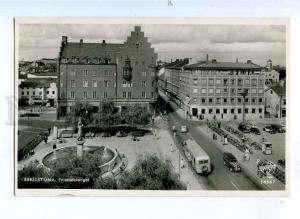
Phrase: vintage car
(231,162)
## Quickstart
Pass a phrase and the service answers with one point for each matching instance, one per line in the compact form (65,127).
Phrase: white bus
(199,159)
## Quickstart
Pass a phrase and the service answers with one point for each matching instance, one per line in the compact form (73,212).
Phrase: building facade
(276,101)
(213,90)
(95,72)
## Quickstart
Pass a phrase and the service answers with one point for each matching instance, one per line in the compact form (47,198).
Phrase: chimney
(137,28)
(64,39)
(237,60)
(177,60)
(214,61)
(81,41)
(206,58)
(103,41)
(249,61)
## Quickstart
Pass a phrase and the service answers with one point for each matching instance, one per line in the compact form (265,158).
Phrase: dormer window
(88,60)
(63,60)
(96,60)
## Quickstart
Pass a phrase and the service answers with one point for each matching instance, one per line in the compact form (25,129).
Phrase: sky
(222,42)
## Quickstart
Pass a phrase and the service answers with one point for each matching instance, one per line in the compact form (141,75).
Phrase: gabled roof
(223,65)
(279,90)
(91,50)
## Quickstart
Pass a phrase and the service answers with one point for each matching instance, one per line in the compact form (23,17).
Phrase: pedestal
(80,148)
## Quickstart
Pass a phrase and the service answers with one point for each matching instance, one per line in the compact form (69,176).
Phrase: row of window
(87,60)
(94,73)
(231,111)
(34,93)
(227,81)
(85,83)
(226,90)
(230,100)
(95,94)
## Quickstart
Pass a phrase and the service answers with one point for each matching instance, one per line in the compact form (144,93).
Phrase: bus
(198,158)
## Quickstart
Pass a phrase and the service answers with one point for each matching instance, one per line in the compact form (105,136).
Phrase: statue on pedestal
(79,133)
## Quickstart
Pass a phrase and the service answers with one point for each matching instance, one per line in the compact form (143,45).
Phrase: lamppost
(244,94)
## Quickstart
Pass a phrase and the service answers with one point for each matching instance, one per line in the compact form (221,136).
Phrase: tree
(83,110)
(151,173)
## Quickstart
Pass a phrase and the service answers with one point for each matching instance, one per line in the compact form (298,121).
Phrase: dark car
(121,134)
(255,131)
(269,129)
(244,128)
(231,162)
(106,134)
(138,133)
(278,128)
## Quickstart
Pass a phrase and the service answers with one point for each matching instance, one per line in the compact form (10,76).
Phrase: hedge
(30,146)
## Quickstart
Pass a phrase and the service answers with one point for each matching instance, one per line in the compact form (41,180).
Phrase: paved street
(220,178)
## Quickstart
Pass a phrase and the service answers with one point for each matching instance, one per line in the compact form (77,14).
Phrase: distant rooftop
(214,64)
(178,63)
(279,90)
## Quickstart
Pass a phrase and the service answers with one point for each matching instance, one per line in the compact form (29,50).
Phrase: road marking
(234,185)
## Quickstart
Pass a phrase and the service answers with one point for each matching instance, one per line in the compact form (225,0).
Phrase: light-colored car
(184,129)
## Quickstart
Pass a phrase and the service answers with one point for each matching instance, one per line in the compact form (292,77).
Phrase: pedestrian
(182,163)
(49,130)
(46,139)
(54,146)
(171,148)
(174,134)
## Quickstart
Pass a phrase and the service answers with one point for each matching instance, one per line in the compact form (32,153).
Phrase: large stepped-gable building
(94,72)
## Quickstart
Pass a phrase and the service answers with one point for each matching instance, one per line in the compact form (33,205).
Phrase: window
(253,90)
(210,111)
(48,92)
(94,73)
(247,82)
(217,111)
(210,100)
(85,94)
(211,81)
(260,100)
(211,90)
(72,95)
(33,92)
(232,90)
(202,111)
(260,110)
(144,74)
(143,94)
(40,93)
(85,73)
(261,91)
(143,83)
(95,83)
(261,82)
(284,102)
(232,111)
(105,83)
(218,91)
(27,92)
(240,82)
(73,83)
(53,92)
(195,90)
(225,90)
(129,94)
(232,100)
(225,111)
(253,82)
(203,100)
(225,100)
(94,94)
(195,81)
(246,110)
(246,100)
(88,60)
(218,81)
(203,90)
(104,94)
(218,100)
(85,83)
(152,83)
(253,110)
(73,73)
(203,81)
(124,94)
(225,80)
(232,82)
(253,100)
(22,93)
(106,73)
(239,100)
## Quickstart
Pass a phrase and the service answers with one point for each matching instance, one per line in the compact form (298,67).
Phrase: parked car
(138,133)
(183,129)
(255,130)
(106,134)
(244,128)
(231,162)
(269,129)
(278,128)
(121,134)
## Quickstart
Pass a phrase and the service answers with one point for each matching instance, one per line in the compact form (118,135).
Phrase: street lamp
(244,94)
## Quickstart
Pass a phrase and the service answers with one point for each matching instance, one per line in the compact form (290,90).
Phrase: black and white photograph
(192,107)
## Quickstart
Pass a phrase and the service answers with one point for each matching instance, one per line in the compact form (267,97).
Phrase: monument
(80,141)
